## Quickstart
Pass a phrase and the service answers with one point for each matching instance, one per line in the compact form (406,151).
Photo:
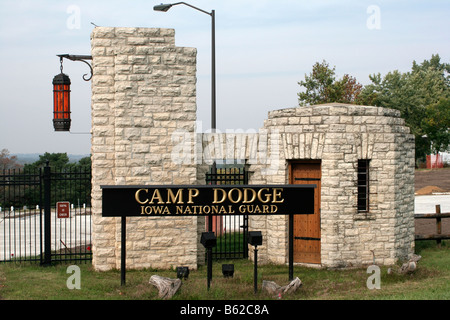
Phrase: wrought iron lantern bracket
(82,58)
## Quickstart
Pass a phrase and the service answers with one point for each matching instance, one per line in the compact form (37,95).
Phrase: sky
(263,49)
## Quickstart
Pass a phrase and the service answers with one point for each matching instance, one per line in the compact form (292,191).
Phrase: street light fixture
(209,241)
(61,101)
(162,7)
(61,93)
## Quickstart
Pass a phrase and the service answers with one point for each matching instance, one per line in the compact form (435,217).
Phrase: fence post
(47,215)
(438,224)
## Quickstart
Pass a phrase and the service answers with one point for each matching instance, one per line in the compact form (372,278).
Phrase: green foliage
(417,94)
(70,182)
(436,124)
(322,87)
(421,95)
(431,280)
(58,160)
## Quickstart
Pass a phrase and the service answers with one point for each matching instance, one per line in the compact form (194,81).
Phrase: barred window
(363,185)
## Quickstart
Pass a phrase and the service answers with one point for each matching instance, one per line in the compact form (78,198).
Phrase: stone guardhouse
(144,132)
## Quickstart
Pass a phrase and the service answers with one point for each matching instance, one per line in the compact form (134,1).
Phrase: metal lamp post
(255,239)
(165,8)
(209,241)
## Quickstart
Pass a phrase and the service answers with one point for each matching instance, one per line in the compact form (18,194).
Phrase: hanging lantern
(61,102)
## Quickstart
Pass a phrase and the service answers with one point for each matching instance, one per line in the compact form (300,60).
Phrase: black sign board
(147,200)
(172,201)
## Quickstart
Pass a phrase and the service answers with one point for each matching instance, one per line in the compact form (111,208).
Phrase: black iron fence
(20,215)
(231,231)
(31,228)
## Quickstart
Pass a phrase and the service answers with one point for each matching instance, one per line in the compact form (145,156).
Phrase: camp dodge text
(203,200)
(234,195)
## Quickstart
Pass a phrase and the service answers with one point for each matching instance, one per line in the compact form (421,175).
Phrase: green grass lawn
(429,282)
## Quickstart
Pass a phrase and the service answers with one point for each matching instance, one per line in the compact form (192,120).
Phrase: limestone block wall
(339,135)
(143,89)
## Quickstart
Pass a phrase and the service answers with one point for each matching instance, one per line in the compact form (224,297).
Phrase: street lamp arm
(166,7)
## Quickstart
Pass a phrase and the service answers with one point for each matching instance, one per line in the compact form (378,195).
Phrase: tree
(7,161)
(436,124)
(85,162)
(70,181)
(412,93)
(56,160)
(322,87)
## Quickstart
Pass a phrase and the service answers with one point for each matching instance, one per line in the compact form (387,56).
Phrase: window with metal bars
(363,185)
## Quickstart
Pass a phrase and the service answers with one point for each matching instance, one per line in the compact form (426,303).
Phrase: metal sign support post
(255,270)
(291,247)
(209,271)
(123,250)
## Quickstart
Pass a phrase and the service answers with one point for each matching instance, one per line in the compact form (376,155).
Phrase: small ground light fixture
(183,273)
(228,270)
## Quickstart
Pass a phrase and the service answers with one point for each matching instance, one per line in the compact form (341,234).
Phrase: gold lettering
(230,193)
(230,209)
(215,209)
(155,210)
(250,208)
(246,200)
(192,193)
(224,195)
(157,196)
(268,195)
(276,194)
(171,198)
(136,196)
(179,210)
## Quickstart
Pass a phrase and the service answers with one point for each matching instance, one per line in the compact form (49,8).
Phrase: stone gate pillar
(143,89)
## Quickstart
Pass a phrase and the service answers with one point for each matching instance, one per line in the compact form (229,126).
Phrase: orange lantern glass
(61,102)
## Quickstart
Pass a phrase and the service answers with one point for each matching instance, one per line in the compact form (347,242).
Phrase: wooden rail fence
(438,236)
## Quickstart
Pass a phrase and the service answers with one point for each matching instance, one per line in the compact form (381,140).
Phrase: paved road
(427,204)
(70,232)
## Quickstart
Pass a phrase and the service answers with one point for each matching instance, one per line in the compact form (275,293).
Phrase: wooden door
(307,227)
